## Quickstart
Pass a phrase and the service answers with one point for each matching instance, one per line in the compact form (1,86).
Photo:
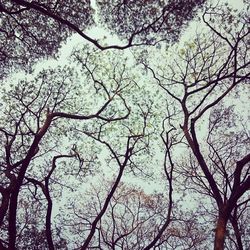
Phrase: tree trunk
(48,223)
(220,233)
(12,219)
(237,232)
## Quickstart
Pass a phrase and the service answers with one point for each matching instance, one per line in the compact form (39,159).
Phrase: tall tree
(33,110)
(207,71)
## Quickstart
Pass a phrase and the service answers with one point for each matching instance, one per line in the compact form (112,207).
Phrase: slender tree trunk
(48,224)
(12,230)
(220,233)
(104,208)
(12,219)
(237,233)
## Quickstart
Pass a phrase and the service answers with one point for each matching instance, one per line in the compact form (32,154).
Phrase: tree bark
(237,232)
(48,224)
(220,233)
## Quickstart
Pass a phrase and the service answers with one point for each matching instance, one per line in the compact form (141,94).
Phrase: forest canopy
(142,143)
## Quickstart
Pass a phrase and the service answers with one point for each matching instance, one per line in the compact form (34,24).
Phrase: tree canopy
(31,30)
(143,144)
